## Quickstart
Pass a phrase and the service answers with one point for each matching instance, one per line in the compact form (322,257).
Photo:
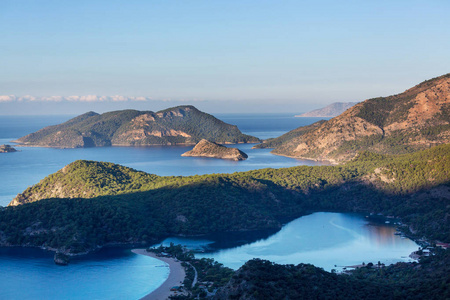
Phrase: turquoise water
(109,274)
(327,240)
(324,239)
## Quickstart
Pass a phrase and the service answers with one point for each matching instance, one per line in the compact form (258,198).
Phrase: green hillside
(139,207)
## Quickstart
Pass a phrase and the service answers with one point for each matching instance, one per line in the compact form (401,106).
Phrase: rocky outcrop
(206,148)
(61,259)
(179,125)
(7,149)
(416,119)
(329,111)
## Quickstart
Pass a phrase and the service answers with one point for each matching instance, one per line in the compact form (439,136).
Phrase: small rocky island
(6,149)
(61,259)
(205,148)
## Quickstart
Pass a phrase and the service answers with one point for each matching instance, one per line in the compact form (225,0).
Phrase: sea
(328,240)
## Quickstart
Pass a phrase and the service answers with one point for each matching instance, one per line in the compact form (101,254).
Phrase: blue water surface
(323,239)
(22,169)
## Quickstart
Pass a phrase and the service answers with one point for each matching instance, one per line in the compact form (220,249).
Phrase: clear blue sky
(222,56)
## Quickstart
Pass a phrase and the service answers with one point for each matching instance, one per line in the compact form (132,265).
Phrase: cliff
(415,119)
(329,111)
(7,149)
(177,125)
(206,148)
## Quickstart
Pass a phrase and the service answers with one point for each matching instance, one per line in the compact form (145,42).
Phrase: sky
(246,56)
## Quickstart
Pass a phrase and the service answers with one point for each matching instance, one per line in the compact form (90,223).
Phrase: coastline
(176,277)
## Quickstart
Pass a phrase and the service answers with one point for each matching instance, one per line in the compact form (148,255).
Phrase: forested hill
(415,119)
(261,279)
(176,125)
(139,207)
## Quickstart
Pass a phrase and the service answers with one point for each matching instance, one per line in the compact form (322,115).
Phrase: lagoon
(326,239)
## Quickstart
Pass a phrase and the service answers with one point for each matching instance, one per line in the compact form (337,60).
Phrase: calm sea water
(20,170)
(325,239)
(108,274)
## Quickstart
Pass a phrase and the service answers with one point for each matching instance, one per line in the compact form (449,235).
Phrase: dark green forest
(135,207)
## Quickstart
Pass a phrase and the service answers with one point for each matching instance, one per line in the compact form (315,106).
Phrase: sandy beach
(176,276)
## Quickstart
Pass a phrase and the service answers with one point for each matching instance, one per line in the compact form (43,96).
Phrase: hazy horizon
(221,56)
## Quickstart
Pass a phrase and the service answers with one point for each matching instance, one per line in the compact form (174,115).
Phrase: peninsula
(181,125)
(205,148)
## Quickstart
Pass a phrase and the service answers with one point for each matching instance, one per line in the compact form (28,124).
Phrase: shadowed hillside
(139,207)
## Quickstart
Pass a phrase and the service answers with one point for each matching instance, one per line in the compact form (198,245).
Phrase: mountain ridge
(329,111)
(415,119)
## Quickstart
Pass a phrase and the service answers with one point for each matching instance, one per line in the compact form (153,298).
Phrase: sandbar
(176,277)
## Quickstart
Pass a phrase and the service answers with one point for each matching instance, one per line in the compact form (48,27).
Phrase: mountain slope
(284,140)
(329,111)
(177,125)
(416,119)
(100,203)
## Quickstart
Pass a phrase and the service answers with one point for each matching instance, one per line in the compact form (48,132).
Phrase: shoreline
(176,277)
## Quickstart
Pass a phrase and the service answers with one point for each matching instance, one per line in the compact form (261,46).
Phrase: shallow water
(108,274)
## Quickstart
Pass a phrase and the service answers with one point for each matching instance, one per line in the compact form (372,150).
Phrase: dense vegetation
(260,279)
(139,207)
(177,125)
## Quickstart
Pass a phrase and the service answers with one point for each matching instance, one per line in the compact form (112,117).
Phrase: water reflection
(323,239)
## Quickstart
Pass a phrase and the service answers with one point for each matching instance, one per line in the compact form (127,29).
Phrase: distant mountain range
(415,119)
(329,111)
(172,126)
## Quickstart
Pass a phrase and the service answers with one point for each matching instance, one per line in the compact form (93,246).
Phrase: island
(7,149)
(180,125)
(205,148)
